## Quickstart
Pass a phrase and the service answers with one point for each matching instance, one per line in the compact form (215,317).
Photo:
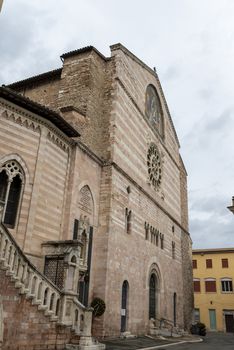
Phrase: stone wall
(26,328)
(44,154)
(82,93)
(132,134)
(131,257)
(105,100)
(186,248)
(44,91)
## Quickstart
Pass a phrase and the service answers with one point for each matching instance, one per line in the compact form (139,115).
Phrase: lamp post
(231,208)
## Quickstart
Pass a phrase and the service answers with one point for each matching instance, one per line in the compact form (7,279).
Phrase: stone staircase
(62,309)
(165,328)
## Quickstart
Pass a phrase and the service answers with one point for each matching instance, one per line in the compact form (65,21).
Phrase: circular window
(154,165)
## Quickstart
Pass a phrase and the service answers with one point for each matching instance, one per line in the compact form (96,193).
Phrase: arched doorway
(124,305)
(152,296)
(174,309)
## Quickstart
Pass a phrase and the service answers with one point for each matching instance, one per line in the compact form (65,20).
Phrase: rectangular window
(227,286)
(194,264)
(196,286)
(225,263)
(210,286)
(209,263)
(196,313)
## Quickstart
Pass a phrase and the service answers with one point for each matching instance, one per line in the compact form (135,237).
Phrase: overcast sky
(191,44)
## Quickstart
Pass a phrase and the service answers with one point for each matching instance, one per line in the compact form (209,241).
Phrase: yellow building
(213,274)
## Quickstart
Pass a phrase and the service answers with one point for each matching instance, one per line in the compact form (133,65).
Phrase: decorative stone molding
(31,121)
(22,121)
(16,157)
(57,141)
(154,235)
(154,165)
(159,138)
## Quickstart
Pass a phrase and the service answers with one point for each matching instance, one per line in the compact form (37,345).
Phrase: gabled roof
(46,113)
(82,50)
(56,73)
(154,73)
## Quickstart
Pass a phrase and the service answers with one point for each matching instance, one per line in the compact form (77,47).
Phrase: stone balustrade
(59,306)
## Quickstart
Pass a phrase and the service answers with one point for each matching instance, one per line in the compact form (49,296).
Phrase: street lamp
(231,208)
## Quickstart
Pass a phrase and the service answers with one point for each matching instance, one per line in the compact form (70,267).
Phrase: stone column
(86,338)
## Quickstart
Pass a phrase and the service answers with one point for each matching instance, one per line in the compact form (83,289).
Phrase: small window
(196,286)
(146,231)
(128,217)
(210,285)
(209,263)
(173,250)
(225,263)
(226,284)
(194,264)
(162,240)
(196,313)
(75,229)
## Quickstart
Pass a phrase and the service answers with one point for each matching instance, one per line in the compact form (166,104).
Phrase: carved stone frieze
(22,121)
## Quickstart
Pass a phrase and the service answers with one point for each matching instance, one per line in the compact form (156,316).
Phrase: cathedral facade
(94,193)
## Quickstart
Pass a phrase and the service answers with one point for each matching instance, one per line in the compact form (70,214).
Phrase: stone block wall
(44,154)
(131,257)
(104,98)
(132,134)
(27,328)
(44,91)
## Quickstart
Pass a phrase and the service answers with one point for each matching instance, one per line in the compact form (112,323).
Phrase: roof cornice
(32,106)
(56,73)
(83,50)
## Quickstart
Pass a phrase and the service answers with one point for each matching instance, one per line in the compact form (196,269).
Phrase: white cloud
(191,43)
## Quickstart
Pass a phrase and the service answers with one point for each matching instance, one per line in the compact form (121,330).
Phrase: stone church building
(93,200)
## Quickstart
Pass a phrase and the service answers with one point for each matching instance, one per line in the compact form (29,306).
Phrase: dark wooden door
(152,297)
(174,309)
(124,306)
(229,321)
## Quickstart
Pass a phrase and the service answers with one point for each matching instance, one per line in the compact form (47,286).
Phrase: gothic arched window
(11,185)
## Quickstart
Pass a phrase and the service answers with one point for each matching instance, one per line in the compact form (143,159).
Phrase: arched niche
(85,202)
(154,289)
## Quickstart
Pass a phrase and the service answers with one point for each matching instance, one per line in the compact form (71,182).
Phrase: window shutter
(210,286)
(208,263)
(196,286)
(225,263)
(194,264)
(75,229)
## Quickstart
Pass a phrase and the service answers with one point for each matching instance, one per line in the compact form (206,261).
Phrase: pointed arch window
(153,109)
(11,186)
